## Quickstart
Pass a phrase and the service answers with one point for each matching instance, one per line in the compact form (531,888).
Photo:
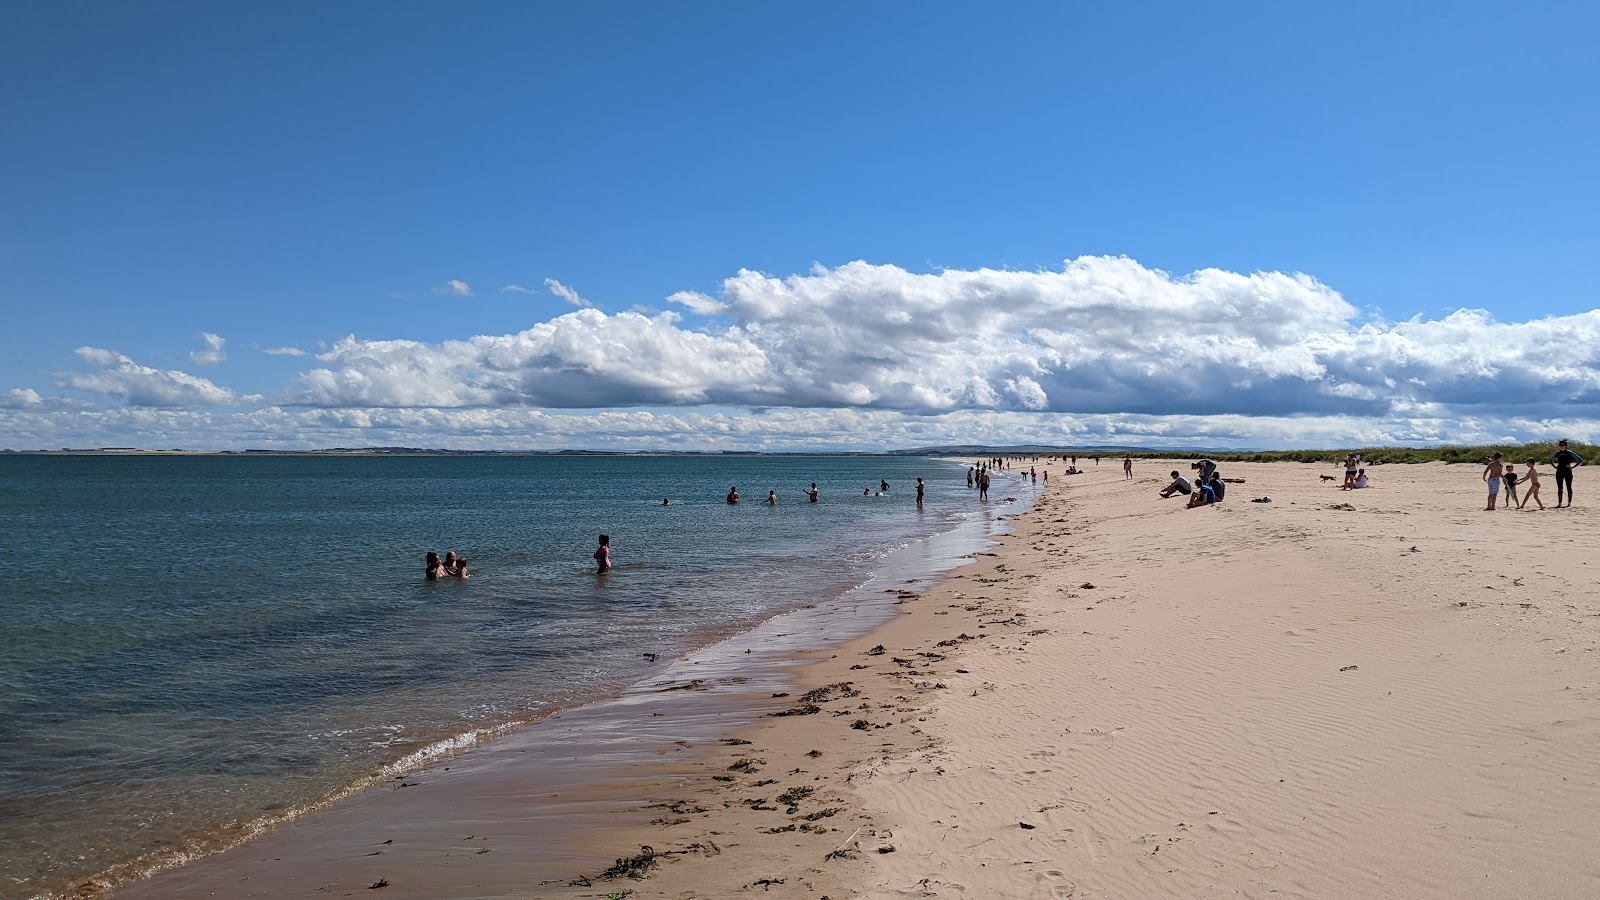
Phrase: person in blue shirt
(1565,461)
(1202,496)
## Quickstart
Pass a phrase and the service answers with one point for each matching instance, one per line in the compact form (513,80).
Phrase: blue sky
(286,175)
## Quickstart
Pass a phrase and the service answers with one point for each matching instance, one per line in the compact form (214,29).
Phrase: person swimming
(733,494)
(434,567)
(772,498)
(812,494)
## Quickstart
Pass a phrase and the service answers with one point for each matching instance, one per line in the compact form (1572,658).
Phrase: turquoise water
(195,643)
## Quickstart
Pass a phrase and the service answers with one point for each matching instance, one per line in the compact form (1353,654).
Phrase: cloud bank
(865,355)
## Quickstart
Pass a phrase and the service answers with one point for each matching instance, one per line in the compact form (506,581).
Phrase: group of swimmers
(1497,471)
(451,566)
(813,494)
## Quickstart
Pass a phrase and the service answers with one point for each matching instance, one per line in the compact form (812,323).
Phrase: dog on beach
(1327,478)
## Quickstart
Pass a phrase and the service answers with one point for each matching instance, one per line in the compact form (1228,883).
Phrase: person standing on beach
(920,488)
(1127,468)
(972,474)
(1511,484)
(1491,474)
(602,556)
(1351,464)
(1564,460)
(1530,483)
(983,485)
(811,495)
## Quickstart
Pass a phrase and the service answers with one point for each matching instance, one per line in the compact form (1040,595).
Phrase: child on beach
(1511,485)
(602,556)
(1530,486)
(1491,474)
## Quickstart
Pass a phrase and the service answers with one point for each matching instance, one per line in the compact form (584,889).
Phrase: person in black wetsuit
(1564,460)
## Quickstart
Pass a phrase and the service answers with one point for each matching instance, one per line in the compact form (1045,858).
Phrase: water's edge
(729,675)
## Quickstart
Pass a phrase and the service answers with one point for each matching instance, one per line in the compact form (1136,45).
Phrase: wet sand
(1383,693)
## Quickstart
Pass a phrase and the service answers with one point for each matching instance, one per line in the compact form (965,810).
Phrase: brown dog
(1327,478)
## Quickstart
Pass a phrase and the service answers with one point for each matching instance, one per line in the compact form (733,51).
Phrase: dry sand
(1382,693)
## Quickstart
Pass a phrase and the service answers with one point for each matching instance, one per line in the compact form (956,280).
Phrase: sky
(821,226)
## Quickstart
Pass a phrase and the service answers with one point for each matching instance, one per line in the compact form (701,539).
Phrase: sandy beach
(1379,693)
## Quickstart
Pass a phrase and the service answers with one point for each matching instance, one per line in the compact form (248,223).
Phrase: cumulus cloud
(1102,335)
(866,356)
(284,351)
(566,293)
(453,288)
(213,353)
(121,377)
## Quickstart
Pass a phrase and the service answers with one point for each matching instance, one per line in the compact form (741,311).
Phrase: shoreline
(1385,693)
(693,697)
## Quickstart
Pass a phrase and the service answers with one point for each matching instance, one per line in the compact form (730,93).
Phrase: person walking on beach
(1127,468)
(1564,460)
(602,556)
(1511,484)
(920,488)
(811,495)
(1491,474)
(983,485)
(1530,486)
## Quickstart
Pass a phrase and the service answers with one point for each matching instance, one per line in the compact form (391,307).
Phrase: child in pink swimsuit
(602,556)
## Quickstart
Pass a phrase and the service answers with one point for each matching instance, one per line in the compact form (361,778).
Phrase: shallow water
(207,641)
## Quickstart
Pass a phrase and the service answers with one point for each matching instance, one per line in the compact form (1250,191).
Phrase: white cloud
(1103,335)
(516,289)
(123,378)
(284,351)
(867,356)
(214,353)
(566,293)
(453,288)
(21,398)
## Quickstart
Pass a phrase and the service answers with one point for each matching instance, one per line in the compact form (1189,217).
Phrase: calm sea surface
(190,644)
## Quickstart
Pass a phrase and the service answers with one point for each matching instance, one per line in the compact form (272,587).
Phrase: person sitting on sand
(433,567)
(772,498)
(1530,486)
(1218,489)
(1361,480)
(602,556)
(1179,485)
(1202,496)
(733,494)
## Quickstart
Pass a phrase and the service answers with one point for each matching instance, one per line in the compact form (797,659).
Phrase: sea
(192,645)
